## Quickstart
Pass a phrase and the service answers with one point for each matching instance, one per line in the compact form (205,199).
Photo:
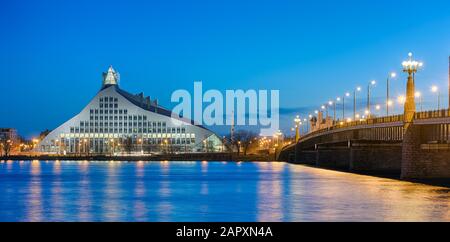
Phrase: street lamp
(297,121)
(419,96)
(371,83)
(435,89)
(331,103)
(278,136)
(410,66)
(323,107)
(141,143)
(86,146)
(358,89)
(347,94)
(338,99)
(391,75)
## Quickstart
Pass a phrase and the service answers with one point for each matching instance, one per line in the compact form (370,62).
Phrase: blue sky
(52,53)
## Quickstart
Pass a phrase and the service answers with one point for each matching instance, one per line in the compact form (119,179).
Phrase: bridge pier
(421,160)
(357,155)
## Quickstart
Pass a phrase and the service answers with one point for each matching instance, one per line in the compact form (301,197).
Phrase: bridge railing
(443,113)
(342,124)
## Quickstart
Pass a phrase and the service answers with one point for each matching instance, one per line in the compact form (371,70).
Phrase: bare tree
(242,139)
(128,145)
(6,147)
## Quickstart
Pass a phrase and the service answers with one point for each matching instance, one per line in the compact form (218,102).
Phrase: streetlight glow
(390,103)
(434,88)
(417,94)
(401,99)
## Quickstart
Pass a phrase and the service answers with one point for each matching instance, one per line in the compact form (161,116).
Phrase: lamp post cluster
(410,67)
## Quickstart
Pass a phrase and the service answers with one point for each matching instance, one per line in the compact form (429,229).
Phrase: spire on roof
(111,77)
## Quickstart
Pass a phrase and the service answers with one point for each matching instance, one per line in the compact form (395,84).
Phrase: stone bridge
(417,145)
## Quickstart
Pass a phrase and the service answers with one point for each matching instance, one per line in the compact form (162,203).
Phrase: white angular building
(117,122)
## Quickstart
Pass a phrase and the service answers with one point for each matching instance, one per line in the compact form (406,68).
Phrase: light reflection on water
(208,191)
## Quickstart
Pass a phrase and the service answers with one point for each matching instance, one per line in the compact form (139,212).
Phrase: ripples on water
(208,191)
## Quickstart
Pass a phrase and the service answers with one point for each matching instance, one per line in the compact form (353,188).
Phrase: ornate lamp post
(410,66)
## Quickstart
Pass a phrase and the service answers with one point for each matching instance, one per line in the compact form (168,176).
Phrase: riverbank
(153,157)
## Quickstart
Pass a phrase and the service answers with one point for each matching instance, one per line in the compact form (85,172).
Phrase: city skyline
(52,48)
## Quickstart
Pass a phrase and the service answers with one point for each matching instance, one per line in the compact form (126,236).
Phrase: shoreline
(166,157)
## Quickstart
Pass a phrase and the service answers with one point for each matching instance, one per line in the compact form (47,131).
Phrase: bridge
(414,144)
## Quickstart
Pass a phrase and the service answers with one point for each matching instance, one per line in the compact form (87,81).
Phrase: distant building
(116,121)
(9,134)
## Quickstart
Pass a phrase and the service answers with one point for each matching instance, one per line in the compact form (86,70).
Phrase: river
(208,191)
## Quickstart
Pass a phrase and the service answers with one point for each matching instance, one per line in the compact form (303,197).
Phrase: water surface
(208,191)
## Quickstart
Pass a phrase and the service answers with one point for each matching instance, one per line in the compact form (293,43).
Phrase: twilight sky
(52,53)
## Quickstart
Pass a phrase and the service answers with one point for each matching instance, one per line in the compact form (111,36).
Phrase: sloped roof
(141,102)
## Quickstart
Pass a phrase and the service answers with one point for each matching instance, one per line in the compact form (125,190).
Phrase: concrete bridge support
(421,160)
(356,156)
